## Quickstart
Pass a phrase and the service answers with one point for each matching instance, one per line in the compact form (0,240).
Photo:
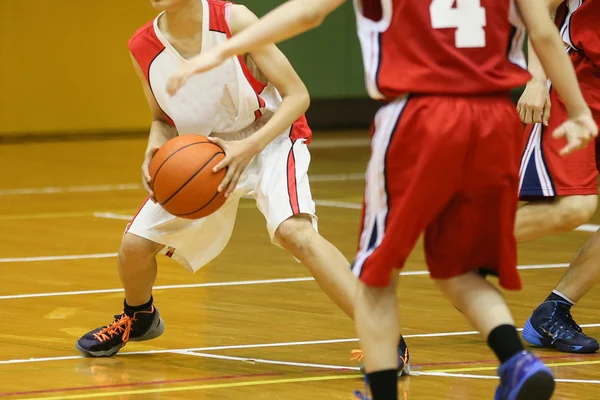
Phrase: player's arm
(286,21)
(160,131)
(534,104)
(279,72)
(580,128)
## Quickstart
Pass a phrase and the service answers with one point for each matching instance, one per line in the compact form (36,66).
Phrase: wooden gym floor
(252,324)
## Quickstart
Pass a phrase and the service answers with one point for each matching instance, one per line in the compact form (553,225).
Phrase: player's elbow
(312,17)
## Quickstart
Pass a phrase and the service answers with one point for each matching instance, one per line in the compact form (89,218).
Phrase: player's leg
(544,217)
(410,179)
(573,179)
(151,232)
(284,197)
(551,324)
(562,189)
(325,262)
(475,231)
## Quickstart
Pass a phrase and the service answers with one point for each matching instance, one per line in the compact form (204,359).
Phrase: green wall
(328,58)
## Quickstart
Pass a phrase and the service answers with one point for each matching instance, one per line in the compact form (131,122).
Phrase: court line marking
(446,372)
(192,285)
(289,380)
(202,387)
(252,360)
(251,346)
(138,186)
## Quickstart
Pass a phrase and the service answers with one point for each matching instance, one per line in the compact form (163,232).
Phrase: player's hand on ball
(238,155)
(578,132)
(534,104)
(146,178)
(201,63)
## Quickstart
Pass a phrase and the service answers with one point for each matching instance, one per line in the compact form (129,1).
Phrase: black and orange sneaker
(403,358)
(108,340)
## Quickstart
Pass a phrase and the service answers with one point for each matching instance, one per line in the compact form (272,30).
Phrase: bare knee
(573,211)
(296,234)
(135,249)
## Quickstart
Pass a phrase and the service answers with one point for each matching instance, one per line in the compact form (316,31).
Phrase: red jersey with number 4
(579,23)
(454,47)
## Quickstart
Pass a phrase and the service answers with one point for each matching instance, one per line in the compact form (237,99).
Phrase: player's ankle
(558,296)
(130,310)
(384,384)
(505,342)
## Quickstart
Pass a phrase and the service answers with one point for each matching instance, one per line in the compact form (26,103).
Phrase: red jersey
(454,47)
(578,22)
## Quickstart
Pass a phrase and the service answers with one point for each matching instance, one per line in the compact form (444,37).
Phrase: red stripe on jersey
(291,180)
(217,20)
(145,46)
(136,214)
(301,130)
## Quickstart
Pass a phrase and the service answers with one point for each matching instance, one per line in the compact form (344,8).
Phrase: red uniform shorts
(446,166)
(544,172)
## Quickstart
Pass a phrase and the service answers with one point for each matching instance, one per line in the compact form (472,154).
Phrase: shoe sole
(152,333)
(539,386)
(531,336)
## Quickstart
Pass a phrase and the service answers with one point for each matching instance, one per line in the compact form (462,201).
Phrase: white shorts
(277,178)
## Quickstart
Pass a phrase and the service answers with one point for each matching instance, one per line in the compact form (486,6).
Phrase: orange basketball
(183,181)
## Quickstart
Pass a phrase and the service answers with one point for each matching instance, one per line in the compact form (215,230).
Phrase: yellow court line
(475,369)
(202,387)
(275,382)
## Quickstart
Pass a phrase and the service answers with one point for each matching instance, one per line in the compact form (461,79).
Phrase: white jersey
(227,99)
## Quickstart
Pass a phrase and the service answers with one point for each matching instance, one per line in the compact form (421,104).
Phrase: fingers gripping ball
(183,180)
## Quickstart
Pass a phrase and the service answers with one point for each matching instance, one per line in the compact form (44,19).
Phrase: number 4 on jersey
(468,17)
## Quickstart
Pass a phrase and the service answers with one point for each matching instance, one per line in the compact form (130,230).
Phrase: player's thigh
(418,147)
(283,189)
(545,172)
(476,229)
(192,243)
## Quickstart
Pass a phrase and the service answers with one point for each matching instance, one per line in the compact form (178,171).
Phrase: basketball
(183,180)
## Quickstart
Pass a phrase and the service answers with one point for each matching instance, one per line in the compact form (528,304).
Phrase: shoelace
(572,322)
(358,355)
(121,325)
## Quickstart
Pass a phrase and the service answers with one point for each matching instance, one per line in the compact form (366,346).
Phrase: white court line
(113,216)
(209,284)
(263,361)
(57,258)
(138,186)
(163,287)
(588,228)
(251,346)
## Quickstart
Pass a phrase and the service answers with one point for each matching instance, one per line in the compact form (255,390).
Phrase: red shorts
(447,166)
(544,172)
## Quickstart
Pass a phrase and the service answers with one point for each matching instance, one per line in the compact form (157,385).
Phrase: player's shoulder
(143,37)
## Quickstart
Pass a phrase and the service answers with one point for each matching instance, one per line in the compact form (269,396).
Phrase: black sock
(130,310)
(505,342)
(558,296)
(384,384)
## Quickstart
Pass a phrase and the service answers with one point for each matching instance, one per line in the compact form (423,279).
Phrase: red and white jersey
(579,21)
(454,47)
(227,99)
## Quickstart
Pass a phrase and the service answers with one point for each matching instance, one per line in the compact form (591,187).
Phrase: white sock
(559,294)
